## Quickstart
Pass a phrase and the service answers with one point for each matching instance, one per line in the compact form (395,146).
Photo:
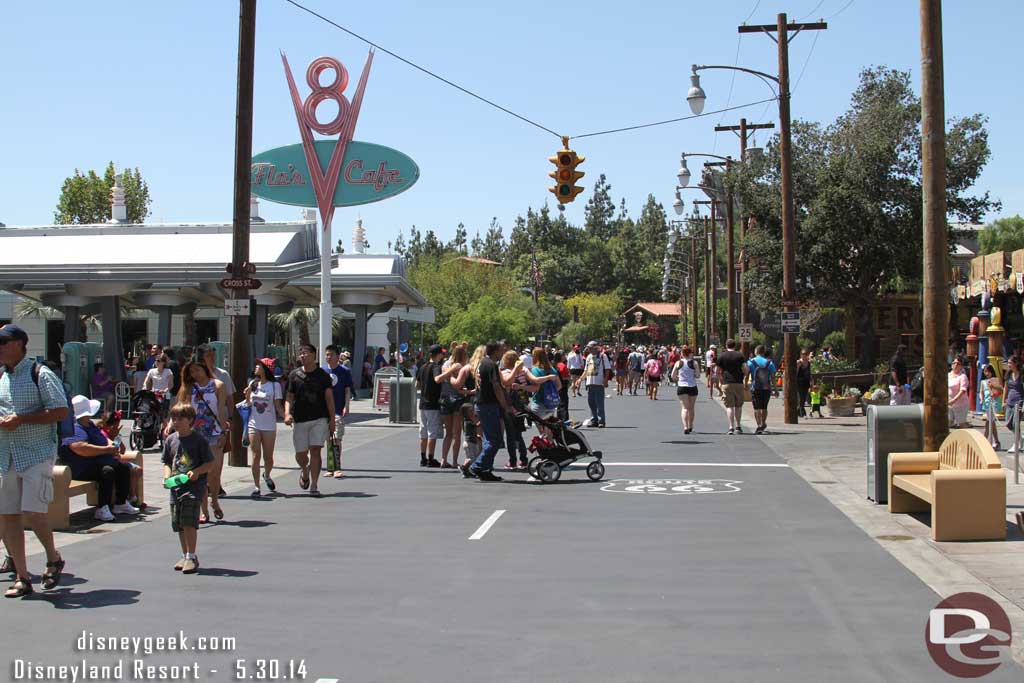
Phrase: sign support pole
(240,349)
(326,305)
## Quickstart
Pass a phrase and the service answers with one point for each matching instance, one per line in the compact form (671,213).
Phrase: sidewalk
(363,426)
(831,455)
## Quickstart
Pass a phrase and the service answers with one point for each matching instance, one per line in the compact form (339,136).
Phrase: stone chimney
(359,238)
(118,210)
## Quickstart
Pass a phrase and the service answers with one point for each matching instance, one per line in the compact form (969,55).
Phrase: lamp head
(678,204)
(695,95)
(683,174)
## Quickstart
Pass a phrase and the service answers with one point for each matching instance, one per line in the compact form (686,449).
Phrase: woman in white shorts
(685,373)
(265,396)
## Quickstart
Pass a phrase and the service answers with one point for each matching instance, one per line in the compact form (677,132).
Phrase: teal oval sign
(369,173)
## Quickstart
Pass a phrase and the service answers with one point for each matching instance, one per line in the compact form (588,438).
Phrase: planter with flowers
(842,405)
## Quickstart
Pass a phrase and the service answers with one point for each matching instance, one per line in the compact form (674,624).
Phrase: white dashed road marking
(485,527)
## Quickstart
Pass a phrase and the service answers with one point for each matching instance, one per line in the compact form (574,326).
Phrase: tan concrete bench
(963,483)
(65,488)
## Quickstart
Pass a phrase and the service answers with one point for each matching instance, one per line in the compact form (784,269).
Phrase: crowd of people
(478,402)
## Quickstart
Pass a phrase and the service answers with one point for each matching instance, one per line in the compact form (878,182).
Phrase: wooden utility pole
(730,276)
(933,166)
(693,284)
(782,33)
(707,283)
(713,259)
(744,131)
(240,348)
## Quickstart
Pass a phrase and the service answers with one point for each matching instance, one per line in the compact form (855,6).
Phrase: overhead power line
(423,69)
(681,118)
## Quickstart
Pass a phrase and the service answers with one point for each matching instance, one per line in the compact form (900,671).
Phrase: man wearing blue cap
(32,402)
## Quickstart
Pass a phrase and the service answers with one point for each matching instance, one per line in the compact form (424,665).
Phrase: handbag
(450,403)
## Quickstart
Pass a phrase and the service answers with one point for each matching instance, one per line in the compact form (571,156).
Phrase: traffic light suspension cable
(506,110)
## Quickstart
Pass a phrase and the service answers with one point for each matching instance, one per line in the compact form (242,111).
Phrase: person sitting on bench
(93,457)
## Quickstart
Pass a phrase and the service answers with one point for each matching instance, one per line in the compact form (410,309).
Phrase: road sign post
(791,322)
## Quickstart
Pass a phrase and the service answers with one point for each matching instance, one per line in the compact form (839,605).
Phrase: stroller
(565,446)
(148,413)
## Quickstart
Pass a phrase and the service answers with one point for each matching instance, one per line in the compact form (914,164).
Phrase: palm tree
(30,308)
(302,317)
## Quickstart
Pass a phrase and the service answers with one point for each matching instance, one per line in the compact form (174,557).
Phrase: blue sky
(153,85)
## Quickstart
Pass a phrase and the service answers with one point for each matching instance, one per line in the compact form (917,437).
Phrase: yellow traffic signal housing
(565,174)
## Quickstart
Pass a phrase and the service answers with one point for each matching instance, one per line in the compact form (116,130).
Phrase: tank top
(1016,389)
(803,375)
(446,388)
(204,400)
(686,375)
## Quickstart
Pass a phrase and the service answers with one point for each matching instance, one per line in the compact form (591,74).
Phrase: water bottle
(176,481)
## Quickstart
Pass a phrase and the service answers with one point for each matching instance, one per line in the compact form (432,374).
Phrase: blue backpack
(549,397)
(65,427)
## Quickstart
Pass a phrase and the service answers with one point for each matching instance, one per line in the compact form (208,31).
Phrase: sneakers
(271,486)
(125,509)
(739,429)
(759,430)
(731,431)
(467,471)
(190,565)
(587,423)
(423,462)
(432,463)
(488,476)
(104,514)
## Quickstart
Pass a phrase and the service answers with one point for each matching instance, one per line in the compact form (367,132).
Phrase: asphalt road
(653,574)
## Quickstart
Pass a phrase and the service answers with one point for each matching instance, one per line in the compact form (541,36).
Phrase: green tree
(1003,234)
(857,192)
(489,319)
(600,211)
(85,198)
(452,285)
(596,313)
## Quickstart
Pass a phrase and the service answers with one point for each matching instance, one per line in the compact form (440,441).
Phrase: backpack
(762,376)
(654,370)
(549,396)
(65,427)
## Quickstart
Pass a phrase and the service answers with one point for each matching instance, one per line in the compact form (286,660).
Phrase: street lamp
(683,174)
(696,97)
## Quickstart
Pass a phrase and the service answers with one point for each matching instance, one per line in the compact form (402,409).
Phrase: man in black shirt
(490,408)
(431,428)
(309,405)
(899,393)
(734,368)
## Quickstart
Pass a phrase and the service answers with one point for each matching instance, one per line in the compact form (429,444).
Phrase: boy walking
(185,452)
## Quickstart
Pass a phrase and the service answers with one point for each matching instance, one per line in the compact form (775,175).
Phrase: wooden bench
(65,488)
(963,483)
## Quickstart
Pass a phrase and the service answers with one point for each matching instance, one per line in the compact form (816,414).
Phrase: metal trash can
(402,404)
(891,429)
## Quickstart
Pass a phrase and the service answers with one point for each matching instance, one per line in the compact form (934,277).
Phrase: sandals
(8,566)
(218,513)
(304,480)
(339,474)
(203,519)
(19,589)
(314,493)
(51,577)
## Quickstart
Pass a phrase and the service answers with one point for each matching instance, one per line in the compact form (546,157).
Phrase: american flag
(538,279)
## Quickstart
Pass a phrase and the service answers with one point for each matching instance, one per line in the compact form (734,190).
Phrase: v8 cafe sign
(672,487)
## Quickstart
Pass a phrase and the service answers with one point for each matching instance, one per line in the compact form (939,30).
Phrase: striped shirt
(28,445)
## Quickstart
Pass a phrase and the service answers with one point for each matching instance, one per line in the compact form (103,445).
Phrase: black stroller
(148,413)
(565,446)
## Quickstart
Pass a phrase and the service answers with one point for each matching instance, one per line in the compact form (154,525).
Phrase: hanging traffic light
(565,174)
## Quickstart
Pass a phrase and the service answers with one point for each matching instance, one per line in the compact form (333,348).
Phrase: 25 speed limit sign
(746,332)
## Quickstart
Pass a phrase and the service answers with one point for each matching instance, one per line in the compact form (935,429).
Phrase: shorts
(453,409)
(28,491)
(312,434)
(430,424)
(686,391)
(185,512)
(653,381)
(620,373)
(760,398)
(575,373)
(734,395)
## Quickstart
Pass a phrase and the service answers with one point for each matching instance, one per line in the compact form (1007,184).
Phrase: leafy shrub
(837,340)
